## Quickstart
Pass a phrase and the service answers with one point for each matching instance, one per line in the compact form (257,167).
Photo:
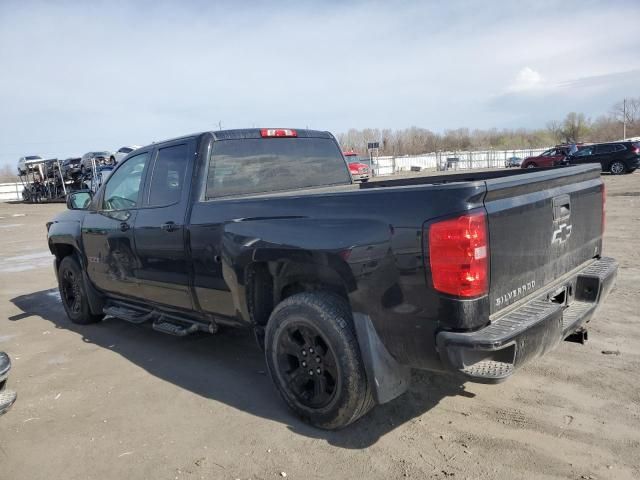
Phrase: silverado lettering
(515,293)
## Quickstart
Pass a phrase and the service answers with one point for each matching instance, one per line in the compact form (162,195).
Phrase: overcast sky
(80,76)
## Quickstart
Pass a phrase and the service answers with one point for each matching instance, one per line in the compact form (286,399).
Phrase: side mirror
(79,200)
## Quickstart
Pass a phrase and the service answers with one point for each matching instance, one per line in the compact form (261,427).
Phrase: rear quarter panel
(371,237)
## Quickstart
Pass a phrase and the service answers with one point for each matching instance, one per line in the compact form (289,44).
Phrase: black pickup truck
(346,286)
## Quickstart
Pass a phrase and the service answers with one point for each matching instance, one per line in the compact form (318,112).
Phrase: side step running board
(128,314)
(175,328)
(173,324)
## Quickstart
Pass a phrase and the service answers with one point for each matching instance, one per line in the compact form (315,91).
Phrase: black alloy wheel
(308,365)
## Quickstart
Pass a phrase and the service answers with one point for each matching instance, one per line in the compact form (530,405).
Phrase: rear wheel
(73,292)
(313,358)
(617,167)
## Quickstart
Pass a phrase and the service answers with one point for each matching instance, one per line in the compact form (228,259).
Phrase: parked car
(23,167)
(346,286)
(70,167)
(549,158)
(513,162)
(123,152)
(101,158)
(7,397)
(358,169)
(614,157)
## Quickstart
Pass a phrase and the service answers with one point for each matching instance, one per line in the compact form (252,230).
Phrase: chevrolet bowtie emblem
(561,234)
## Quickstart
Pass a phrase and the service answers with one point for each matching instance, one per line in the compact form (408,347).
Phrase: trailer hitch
(579,336)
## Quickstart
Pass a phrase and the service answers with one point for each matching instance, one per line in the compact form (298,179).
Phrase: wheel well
(271,282)
(61,250)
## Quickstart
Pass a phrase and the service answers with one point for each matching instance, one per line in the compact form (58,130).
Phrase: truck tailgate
(541,225)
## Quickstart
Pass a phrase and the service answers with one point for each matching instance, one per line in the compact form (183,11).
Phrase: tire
(364,180)
(317,328)
(532,165)
(617,167)
(73,292)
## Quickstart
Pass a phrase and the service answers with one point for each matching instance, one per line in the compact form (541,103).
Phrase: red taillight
(278,132)
(458,254)
(636,149)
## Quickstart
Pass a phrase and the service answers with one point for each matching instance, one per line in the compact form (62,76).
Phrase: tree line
(575,127)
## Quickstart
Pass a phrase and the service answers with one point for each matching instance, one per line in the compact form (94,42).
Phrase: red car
(358,170)
(550,158)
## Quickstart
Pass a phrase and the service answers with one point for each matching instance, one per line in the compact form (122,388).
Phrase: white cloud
(527,79)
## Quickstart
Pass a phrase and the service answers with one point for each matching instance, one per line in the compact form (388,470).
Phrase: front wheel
(314,360)
(617,168)
(73,292)
(532,165)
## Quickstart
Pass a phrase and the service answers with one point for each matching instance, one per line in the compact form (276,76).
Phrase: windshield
(100,154)
(34,157)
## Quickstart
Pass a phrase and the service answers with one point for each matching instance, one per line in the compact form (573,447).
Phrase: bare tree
(575,127)
(627,112)
(555,130)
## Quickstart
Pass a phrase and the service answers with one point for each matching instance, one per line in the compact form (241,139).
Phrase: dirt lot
(115,400)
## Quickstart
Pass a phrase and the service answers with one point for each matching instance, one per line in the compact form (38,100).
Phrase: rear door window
(167,176)
(605,149)
(248,166)
(584,152)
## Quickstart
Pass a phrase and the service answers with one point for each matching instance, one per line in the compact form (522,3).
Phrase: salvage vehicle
(614,157)
(549,158)
(122,152)
(71,167)
(346,286)
(359,170)
(90,159)
(7,397)
(513,162)
(23,167)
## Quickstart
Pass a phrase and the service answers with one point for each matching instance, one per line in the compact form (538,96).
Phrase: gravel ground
(116,400)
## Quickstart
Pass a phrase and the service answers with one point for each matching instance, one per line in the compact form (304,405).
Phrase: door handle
(124,226)
(169,227)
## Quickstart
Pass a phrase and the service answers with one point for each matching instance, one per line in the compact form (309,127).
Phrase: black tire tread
(335,309)
(85,317)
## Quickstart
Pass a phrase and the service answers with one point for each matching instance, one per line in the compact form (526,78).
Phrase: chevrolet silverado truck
(346,286)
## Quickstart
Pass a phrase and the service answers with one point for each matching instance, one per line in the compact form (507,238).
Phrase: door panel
(108,245)
(164,271)
(107,233)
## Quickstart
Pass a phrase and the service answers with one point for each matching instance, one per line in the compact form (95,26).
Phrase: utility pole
(624,118)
